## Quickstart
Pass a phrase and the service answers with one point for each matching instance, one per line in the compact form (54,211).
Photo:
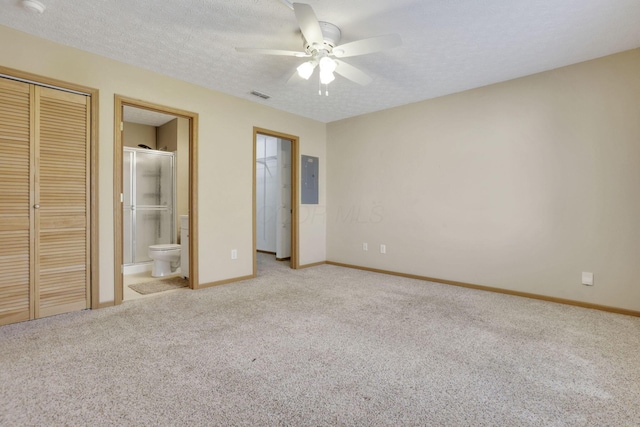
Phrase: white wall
(521,185)
(225,171)
(266,192)
(283,200)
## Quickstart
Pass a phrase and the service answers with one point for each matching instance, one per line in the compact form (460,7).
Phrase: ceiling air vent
(260,94)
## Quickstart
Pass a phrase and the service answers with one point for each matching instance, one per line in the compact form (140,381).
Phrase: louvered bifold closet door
(62,197)
(15,202)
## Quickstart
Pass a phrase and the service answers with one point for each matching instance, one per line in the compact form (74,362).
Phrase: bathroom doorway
(275,231)
(155,184)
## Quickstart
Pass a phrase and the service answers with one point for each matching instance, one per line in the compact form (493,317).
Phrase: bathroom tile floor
(129,279)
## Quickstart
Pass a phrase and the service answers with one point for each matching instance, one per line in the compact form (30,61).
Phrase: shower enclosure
(149,200)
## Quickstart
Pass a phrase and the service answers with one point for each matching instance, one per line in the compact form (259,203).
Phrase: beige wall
(225,151)
(135,133)
(521,185)
(174,135)
(168,136)
(182,184)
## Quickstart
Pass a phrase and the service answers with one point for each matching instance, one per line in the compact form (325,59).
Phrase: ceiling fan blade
(278,52)
(352,73)
(308,23)
(365,46)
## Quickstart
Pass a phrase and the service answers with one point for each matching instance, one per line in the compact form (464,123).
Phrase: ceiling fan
(320,44)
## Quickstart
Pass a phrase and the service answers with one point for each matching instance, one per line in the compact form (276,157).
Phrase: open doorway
(155,187)
(275,231)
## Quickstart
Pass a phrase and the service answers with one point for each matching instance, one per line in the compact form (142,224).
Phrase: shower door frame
(134,206)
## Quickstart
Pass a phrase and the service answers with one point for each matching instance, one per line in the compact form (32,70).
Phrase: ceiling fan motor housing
(331,37)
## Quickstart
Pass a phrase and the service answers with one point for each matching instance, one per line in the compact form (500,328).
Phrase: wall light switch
(383,249)
(365,247)
(587,278)
(234,254)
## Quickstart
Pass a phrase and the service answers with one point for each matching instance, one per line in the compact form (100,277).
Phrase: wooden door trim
(295,247)
(93,171)
(119,102)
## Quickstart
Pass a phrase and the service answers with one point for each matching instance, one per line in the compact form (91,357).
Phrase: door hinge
(121,197)
(121,126)
(122,269)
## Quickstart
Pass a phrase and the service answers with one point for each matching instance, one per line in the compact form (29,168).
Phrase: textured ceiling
(145,117)
(449,45)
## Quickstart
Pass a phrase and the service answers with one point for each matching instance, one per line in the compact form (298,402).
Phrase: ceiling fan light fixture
(306,69)
(327,65)
(326,77)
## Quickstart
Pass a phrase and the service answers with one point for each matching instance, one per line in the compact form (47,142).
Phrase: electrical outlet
(383,249)
(365,247)
(234,254)
(587,278)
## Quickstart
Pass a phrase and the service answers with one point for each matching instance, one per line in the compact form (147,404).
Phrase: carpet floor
(324,346)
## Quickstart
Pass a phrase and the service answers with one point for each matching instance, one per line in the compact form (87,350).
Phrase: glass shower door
(151,195)
(154,201)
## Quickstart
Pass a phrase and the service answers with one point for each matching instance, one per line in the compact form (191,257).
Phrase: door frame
(295,143)
(119,102)
(93,94)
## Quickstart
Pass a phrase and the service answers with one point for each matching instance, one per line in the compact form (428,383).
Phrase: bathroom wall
(182,160)
(174,137)
(135,134)
(167,136)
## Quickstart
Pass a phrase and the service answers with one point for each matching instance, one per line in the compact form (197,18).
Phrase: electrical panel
(309,188)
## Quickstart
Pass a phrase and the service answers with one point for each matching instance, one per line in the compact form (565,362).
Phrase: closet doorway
(275,197)
(155,187)
(47,202)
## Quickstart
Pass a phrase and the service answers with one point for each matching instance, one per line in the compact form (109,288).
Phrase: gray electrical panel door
(309,188)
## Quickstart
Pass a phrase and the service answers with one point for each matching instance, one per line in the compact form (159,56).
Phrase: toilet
(166,259)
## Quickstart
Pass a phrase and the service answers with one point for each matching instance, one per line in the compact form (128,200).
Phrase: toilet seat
(164,247)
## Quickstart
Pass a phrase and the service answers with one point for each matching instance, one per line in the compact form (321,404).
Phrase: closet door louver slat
(15,202)
(61,222)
